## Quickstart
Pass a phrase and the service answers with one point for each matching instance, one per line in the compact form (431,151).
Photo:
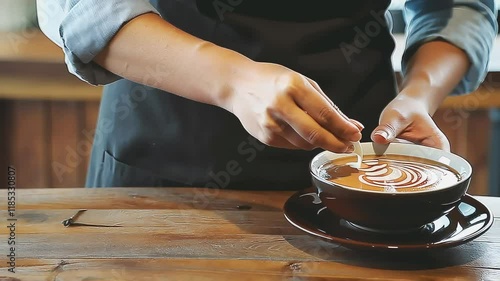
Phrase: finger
(285,133)
(278,142)
(401,140)
(427,134)
(417,128)
(389,128)
(440,142)
(384,133)
(357,124)
(315,85)
(294,138)
(326,114)
(272,134)
(434,139)
(305,126)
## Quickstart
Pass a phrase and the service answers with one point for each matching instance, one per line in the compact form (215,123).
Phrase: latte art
(390,173)
(400,174)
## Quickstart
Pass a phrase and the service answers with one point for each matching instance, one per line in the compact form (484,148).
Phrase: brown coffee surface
(390,173)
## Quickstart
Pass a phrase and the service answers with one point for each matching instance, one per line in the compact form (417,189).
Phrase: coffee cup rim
(464,176)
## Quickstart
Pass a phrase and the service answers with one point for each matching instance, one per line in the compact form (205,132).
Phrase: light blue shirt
(82,28)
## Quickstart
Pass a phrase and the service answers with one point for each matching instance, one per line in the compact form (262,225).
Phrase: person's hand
(285,109)
(408,119)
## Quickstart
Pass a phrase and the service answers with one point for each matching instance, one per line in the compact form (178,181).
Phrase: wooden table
(200,234)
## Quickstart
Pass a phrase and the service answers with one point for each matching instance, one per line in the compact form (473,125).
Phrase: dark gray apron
(146,137)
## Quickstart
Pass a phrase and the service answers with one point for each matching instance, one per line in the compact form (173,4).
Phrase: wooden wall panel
(478,138)
(468,133)
(494,149)
(66,123)
(27,136)
(4,121)
(450,122)
(47,141)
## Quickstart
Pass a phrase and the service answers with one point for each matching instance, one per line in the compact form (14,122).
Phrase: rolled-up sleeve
(471,25)
(82,28)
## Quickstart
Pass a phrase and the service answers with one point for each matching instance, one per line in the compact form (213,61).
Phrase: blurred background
(47,116)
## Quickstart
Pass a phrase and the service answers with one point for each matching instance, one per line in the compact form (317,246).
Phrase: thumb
(387,132)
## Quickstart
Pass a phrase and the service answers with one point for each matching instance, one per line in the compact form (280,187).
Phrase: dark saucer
(468,221)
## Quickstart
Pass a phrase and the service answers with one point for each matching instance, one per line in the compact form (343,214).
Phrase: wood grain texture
(478,140)
(27,140)
(469,136)
(57,89)
(164,234)
(196,269)
(189,222)
(454,126)
(20,47)
(4,131)
(66,156)
(38,134)
(149,198)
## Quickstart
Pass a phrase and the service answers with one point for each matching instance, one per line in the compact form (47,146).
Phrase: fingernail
(355,137)
(357,124)
(383,134)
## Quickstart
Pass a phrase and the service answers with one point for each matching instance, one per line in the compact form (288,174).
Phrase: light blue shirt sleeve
(82,28)
(470,25)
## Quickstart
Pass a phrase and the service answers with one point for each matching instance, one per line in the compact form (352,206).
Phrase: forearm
(433,72)
(151,51)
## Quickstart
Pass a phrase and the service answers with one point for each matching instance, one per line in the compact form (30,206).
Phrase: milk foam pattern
(400,174)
